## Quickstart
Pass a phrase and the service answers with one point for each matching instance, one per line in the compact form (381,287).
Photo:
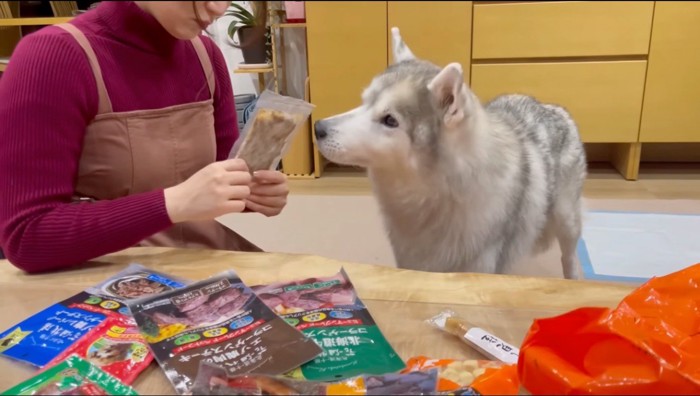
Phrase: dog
(462,186)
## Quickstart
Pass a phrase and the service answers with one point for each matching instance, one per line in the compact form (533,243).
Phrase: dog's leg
(568,229)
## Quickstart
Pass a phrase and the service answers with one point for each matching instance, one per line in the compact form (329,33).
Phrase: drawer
(605,98)
(562,29)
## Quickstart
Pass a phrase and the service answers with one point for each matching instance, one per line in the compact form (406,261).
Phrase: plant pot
(253,43)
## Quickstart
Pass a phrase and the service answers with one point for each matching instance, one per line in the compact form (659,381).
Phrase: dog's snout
(320,128)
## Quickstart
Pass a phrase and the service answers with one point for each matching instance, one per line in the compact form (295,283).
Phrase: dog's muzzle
(320,128)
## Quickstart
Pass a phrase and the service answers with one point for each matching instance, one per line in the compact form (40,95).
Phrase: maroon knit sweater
(48,96)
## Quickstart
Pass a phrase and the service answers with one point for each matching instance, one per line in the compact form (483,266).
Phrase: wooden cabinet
(561,29)
(437,31)
(347,44)
(671,110)
(604,98)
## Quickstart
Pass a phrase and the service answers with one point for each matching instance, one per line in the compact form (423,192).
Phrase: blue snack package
(41,337)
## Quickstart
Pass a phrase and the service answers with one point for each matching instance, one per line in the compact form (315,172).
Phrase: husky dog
(462,187)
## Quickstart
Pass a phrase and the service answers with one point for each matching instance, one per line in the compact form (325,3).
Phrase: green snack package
(73,376)
(328,311)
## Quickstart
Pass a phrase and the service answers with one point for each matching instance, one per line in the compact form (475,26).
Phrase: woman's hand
(268,193)
(217,189)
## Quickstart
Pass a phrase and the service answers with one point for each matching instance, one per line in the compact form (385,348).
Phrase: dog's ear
(448,90)
(401,50)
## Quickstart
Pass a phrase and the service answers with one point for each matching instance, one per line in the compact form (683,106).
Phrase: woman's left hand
(268,193)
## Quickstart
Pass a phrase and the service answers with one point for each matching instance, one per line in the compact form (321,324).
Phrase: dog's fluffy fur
(463,187)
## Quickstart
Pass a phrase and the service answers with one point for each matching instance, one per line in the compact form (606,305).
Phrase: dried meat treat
(115,346)
(218,320)
(266,137)
(329,311)
(72,376)
(478,338)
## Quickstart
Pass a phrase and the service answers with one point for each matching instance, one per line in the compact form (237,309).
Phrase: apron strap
(105,105)
(206,63)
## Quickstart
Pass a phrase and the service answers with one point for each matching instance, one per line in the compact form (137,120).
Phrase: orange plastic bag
(485,376)
(649,344)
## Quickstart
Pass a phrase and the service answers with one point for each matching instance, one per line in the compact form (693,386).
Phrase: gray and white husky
(463,187)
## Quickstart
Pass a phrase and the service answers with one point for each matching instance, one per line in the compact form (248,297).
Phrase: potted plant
(253,33)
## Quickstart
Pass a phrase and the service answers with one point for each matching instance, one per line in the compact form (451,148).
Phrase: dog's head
(405,113)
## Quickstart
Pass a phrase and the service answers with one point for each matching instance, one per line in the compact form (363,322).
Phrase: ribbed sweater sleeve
(47,97)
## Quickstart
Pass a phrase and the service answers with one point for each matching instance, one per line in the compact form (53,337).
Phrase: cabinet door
(347,47)
(671,110)
(604,98)
(437,31)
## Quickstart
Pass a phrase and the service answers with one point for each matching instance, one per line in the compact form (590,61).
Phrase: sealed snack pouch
(413,383)
(115,346)
(43,336)
(72,376)
(213,380)
(328,311)
(648,344)
(484,377)
(218,320)
(484,342)
(267,135)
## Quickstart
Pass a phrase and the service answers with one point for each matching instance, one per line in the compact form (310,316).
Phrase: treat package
(488,344)
(269,132)
(44,335)
(72,376)
(136,281)
(414,383)
(213,380)
(328,311)
(485,377)
(648,344)
(221,321)
(115,346)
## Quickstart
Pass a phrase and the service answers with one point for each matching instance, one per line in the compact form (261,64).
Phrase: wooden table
(399,300)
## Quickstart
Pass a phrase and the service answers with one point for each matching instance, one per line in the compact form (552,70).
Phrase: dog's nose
(320,128)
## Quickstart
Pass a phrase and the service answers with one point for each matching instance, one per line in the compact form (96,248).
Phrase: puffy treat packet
(213,380)
(44,335)
(478,338)
(267,135)
(328,311)
(115,346)
(72,376)
(218,320)
(484,377)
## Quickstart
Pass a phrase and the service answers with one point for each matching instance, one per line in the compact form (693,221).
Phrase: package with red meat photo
(115,346)
(218,320)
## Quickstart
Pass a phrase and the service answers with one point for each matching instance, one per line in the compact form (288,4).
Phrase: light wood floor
(656,181)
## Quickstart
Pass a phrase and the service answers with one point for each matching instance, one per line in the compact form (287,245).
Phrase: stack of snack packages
(220,336)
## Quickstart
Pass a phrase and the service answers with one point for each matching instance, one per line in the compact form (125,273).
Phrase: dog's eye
(390,121)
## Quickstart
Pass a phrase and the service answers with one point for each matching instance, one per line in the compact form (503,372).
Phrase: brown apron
(138,151)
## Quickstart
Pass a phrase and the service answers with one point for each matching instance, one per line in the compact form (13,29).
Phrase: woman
(116,129)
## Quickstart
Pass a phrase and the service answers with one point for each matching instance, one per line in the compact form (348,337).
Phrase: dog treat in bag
(221,321)
(328,311)
(136,281)
(483,377)
(115,346)
(213,380)
(483,341)
(267,135)
(44,335)
(72,376)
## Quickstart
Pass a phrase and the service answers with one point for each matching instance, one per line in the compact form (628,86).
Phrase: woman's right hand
(217,189)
